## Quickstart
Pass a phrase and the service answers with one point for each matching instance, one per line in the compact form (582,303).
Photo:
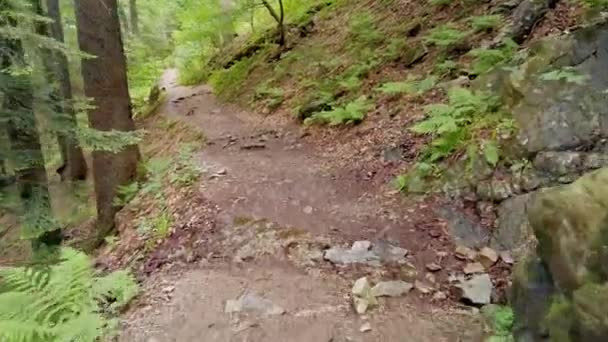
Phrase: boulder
(477,290)
(571,224)
(589,304)
(513,232)
(560,115)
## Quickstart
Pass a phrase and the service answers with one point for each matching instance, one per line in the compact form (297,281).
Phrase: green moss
(559,320)
(227,82)
(590,303)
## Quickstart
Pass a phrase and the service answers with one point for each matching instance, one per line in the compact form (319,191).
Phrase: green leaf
(491,152)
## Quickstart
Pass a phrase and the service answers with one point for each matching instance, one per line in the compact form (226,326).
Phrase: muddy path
(281,202)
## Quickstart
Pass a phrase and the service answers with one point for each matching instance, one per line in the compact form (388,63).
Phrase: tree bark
(279,18)
(106,83)
(74,165)
(134,17)
(24,139)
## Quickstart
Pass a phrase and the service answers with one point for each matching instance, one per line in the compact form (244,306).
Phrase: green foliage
(226,81)
(354,112)
(362,28)
(501,323)
(185,170)
(566,74)
(448,123)
(488,59)
(485,22)
(440,2)
(595,5)
(270,96)
(414,181)
(125,194)
(447,67)
(66,302)
(409,87)
(446,35)
(559,319)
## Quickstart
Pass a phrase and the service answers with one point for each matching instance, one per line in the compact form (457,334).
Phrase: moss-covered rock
(590,304)
(571,225)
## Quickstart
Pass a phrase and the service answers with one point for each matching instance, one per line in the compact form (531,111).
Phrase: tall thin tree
(74,165)
(105,81)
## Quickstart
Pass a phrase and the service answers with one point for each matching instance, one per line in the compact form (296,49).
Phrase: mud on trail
(278,201)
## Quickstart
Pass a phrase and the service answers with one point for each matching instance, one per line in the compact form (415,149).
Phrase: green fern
(362,28)
(410,86)
(446,67)
(567,74)
(445,35)
(448,122)
(485,22)
(354,112)
(488,59)
(66,302)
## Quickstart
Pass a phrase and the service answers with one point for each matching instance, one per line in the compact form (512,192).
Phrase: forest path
(281,202)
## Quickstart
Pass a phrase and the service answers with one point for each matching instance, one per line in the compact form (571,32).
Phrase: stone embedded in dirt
(433,267)
(362,287)
(251,302)
(362,296)
(474,267)
(487,257)
(361,246)
(393,288)
(365,327)
(423,287)
(439,296)
(506,257)
(168,289)
(222,172)
(431,278)
(389,253)
(253,146)
(465,253)
(477,290)
(307,210)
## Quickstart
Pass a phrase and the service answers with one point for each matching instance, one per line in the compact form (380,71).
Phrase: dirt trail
(275,190)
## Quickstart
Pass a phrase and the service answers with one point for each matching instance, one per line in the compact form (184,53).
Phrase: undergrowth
(353,113)
(67,301)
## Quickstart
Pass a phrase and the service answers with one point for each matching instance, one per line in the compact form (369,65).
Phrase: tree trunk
(134,17)
(17,109)
(279,18)
(105,81)
(74,165)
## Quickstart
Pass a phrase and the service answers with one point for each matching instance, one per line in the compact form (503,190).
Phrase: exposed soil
(271,198)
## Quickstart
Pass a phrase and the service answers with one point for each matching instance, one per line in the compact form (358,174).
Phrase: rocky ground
(280,243)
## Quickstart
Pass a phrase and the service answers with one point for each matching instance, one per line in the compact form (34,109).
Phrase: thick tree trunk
(134,17)
(18,112)
(105,81)
(74,165)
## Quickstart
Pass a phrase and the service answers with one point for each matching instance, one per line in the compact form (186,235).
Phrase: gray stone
(338,255)
(477,290)
(526,15)
(593,161)
(307,210)
(495,190)
(253,303)
(559,163)
(464,231)
(394,288)
(560,115)
(388,252)
(513,232)
(361,288)
(361,246)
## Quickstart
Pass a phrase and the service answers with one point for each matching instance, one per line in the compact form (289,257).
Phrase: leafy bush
(595,5)
(66,302)
(567,74)
(445,35)
(488,59)
(501,323)
(410,87)
(354,112)
(448,122)
(485,22)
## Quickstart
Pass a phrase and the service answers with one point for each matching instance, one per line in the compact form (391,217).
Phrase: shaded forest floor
(271,200)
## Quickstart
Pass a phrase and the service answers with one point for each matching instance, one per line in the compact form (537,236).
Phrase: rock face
(556,115)
(571,225)
(513,232)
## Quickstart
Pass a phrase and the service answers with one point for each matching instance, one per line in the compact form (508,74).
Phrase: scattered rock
(222,172)
(440,296)
(168,289)
(394,288)
(365,327)
(487,257)
(389,253)
(465,253)
(433,267)
(474,267)
(361,246)
(506,257)
(423,287)
(364,252)
(477,290)
(251,302)
(558,163)
(464,231)
(307,210)
(363,299)
(513,232)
